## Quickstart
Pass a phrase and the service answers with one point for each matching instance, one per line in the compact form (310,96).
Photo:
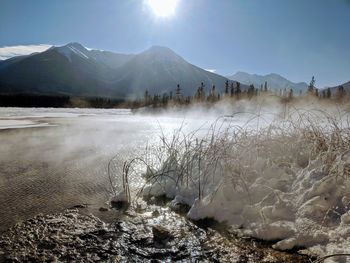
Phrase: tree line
(233,90)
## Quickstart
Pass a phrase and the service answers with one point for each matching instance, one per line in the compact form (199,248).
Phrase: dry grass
(226,153)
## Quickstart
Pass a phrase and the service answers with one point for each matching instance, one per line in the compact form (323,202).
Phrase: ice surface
(17,124)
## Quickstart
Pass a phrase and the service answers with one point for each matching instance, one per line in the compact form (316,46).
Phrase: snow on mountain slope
(73,48)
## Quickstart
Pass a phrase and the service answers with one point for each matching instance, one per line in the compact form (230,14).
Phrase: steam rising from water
(48,169)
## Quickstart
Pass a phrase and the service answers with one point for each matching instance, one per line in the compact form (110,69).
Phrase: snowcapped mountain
(274,81)
(73,49)
(75,70)
(107,58)
(58,70)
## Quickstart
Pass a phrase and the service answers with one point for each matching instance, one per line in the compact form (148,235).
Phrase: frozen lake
(52,159)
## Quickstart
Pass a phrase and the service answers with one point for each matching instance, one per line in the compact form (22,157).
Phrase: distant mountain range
(345,85)
(274,81)
(75,70)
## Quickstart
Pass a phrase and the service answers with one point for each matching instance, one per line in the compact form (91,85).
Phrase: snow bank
(287,183)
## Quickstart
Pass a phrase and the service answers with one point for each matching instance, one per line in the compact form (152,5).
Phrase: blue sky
(295,38)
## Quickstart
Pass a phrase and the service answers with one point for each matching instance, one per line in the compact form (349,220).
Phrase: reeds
(227,153)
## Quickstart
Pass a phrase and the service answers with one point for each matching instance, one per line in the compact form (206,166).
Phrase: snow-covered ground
(287,182)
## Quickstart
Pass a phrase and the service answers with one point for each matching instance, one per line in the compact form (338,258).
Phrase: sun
(162,8)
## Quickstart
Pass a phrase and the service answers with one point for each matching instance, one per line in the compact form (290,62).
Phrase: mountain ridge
(274,81)
(75,70)
(346,86)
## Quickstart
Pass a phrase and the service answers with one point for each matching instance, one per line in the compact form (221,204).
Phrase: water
(52,159)
(157,234)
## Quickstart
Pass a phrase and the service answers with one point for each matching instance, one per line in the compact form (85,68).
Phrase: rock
(79,206)
(155,213)
(71,236)
(103,209)
(161,234)
(120,205)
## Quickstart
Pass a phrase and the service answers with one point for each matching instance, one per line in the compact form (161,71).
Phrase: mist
(53,159)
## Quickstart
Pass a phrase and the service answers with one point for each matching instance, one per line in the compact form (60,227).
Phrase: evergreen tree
(251,91)
(212,95)
(290,95)
(311,86)
(197,95)
(238,90)
(232,89)
(146,97)
(226,87)
(340,92)
(165,99)
(155,100)
(178,95)
(202,93)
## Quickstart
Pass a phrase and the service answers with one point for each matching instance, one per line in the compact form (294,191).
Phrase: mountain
(66,70)
(159,70)
(345,85)
(110,59)
(274,81)
(75,70)
(7,62)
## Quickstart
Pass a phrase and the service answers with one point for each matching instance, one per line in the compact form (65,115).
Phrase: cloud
(13,51)
(211,70)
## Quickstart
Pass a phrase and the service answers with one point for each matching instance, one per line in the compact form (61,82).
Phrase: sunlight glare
(162,8)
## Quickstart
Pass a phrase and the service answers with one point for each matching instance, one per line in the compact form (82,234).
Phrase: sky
(297,39)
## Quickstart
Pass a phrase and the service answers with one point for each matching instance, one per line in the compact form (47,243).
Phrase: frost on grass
(286,182)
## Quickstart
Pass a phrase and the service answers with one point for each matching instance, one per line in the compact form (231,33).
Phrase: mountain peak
(76,45)
(72,49)
(274,75)
(161,51)
(159,48)
(274,81)
(161,54)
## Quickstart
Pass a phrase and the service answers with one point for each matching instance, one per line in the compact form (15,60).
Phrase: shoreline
(155,233)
